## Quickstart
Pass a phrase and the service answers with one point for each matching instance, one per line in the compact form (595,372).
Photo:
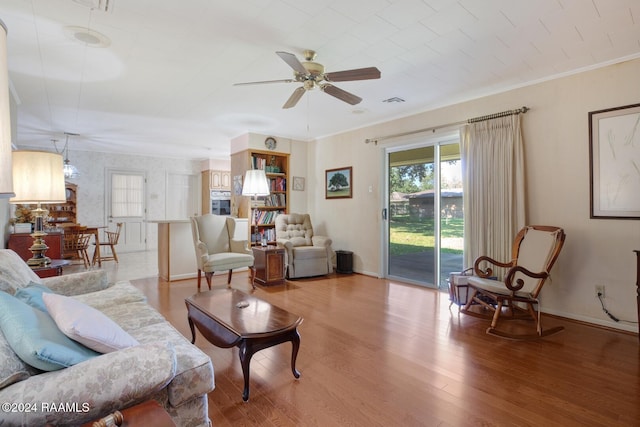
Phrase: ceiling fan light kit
(311,74)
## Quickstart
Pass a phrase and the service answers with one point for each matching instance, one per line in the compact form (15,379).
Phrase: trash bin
(344,262)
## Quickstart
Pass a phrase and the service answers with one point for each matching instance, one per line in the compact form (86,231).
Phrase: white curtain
(127,195)
(494,189)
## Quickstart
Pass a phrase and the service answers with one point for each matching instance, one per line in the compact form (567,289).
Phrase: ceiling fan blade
(294,98)
(293,62)
(265,82)
(342,95)
(355,74)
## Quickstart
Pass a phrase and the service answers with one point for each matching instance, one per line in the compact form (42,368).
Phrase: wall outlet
(600,290)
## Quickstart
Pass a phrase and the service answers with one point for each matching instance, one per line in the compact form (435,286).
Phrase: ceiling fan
(312,75)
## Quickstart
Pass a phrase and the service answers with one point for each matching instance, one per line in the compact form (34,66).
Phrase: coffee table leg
(248,347)
(295,341)
(245,352)
(193,330)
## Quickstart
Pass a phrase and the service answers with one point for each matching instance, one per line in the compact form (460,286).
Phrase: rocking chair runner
(535,250)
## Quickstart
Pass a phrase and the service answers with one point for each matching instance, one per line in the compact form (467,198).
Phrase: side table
(148,413)
(53,269)
(268,265)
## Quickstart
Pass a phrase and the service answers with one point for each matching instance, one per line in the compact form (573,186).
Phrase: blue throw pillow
(35,338)
(32,295)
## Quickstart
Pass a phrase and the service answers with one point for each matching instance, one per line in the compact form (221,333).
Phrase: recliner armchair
(216,249)
(306,254)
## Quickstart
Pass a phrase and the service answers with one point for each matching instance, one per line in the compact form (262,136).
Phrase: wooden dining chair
(76,244)
(112,238)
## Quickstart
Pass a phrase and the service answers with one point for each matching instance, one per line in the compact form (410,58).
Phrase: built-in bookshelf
(267,208)
(64,213)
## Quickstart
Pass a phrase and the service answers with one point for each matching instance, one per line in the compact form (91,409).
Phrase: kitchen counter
(176,254)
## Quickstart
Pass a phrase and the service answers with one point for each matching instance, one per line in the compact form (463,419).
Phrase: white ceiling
(164,85)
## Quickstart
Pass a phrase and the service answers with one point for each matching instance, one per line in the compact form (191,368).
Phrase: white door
(126,204)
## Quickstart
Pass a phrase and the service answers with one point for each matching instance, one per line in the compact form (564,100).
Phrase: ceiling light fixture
(70,171)
(87,36)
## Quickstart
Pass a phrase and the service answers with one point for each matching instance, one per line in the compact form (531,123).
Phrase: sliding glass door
(424,227)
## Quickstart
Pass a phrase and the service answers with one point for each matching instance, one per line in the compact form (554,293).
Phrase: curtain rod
(434,128)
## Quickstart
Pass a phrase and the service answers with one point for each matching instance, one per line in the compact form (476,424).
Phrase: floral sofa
(163,366)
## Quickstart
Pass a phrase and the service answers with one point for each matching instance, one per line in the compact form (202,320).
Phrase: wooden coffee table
(229,318)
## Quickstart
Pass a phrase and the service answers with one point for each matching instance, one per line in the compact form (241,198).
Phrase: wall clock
(270,143)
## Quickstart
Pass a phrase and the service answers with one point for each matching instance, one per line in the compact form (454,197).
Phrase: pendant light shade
(70,171)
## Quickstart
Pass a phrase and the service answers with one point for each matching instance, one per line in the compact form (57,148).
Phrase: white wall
(298,167)
(557,171)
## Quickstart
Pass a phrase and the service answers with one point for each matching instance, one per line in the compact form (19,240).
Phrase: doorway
(126,204)
(424,227)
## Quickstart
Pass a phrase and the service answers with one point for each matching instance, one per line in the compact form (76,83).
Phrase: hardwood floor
(382,353)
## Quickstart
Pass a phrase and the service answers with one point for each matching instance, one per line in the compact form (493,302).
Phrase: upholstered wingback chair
(216,249)
(306,254)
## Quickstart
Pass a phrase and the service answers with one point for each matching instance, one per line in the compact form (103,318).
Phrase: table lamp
(255,184)
(38,178)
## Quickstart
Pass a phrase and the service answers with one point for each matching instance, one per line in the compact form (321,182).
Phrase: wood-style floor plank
(381,353)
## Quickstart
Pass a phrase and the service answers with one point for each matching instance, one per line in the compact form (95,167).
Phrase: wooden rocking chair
(535,250)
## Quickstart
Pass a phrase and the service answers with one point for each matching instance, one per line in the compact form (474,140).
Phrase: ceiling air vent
(393,99)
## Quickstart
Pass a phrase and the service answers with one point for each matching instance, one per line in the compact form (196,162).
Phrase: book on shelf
(267,217)
(275,200)
(278,184)
(258,162)
(268,233)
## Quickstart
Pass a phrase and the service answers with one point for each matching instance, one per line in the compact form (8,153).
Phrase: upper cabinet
(219,180)
(216,180)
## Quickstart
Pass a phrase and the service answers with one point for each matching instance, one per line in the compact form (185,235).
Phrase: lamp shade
(255,183)
(6,183)
(38,177)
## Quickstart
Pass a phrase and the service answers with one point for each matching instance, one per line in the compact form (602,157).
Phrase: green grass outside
(410,235)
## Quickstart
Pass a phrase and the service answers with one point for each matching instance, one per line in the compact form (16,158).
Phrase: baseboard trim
(590,321)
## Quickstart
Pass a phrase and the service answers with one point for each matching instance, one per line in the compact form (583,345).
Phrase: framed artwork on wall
(237,185)
(614,142)
(339,183)
(298,183)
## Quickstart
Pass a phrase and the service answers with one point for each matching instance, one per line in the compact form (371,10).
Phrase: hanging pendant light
(70,171)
